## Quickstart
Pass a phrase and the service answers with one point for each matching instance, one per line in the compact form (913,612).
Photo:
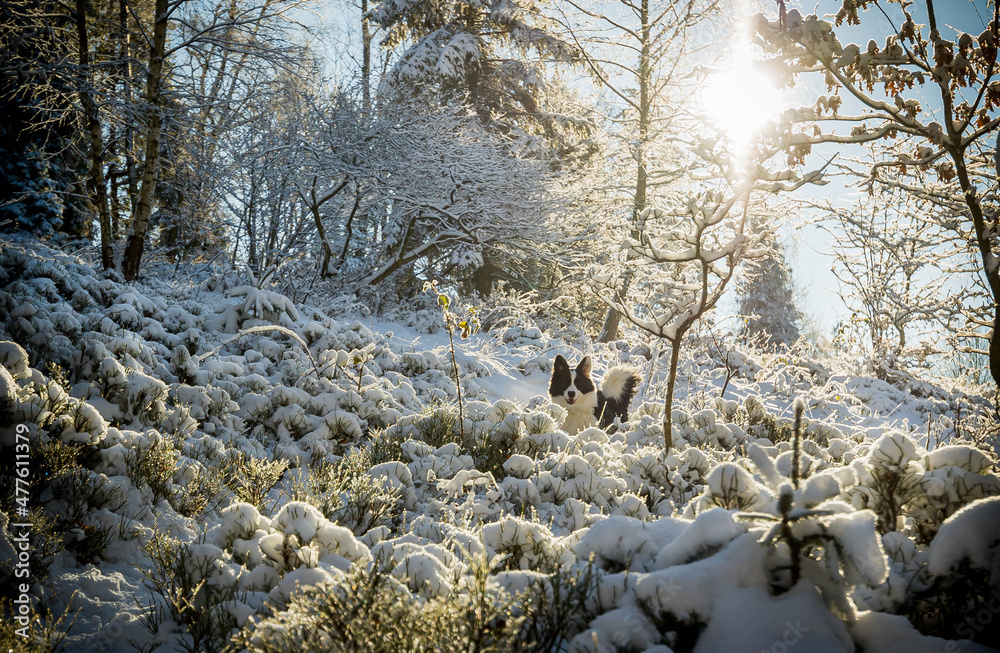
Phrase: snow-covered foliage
(897,262)
(262,484)
(767,300)
(494,56)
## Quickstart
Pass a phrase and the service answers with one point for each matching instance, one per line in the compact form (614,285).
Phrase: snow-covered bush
(251,478)
(258,307)
(369,610)
(150,462)
(910,488)
(814,537)
(962,566)
(485,611)
(195,593)
(346,493)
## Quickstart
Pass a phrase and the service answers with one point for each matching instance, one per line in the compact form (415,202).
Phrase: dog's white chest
(580,415)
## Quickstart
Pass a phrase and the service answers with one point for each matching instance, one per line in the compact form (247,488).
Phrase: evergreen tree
(491,56)
(494,58)
(42,176)
(767,303)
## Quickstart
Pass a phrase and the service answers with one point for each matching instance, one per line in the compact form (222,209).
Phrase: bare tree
(683,258)
(902,273)
(225,38)
(456,194)
(638,50)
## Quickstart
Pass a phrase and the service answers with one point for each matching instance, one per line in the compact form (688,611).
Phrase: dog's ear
(560,364)
(585,366)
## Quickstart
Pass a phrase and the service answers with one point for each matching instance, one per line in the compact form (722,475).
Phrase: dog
(585,404)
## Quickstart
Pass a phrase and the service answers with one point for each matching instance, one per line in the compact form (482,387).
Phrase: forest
(284,285)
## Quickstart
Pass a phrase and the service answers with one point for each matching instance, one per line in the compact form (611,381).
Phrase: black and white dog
(587,406)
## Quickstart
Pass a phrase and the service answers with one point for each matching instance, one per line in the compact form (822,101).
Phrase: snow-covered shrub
(731,486)
(258,307)
(813,537)
(954,476)
(14,359)
(346,493)
(195,595)
(47,542)
(556,606)
(82,493)
(251,478)
(762,424)
(484,611)
(184,367)
(134,396)
(150,462)
(524,544)
(889,478)
(46,403)
(80,423)
(297,548)
(665,481)
(489,443)
(202,488)
(370,611)
(910,488)
(962,577)
(40,634)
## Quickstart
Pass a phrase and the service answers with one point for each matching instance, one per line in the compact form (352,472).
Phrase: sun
(739,100)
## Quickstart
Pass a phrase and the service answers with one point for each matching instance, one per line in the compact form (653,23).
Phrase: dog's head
(571,384)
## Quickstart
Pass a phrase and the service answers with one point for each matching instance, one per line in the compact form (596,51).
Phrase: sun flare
(739,100)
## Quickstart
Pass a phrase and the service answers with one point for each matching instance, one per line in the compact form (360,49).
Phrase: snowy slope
(220,440)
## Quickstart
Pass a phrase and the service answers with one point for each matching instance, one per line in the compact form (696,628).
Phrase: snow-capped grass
(46,634)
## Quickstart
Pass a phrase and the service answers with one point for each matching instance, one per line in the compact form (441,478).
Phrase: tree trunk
(609,331)
(668,403)
(93,119)
(349,226)
(995,345)
(154,121)
(314,206)
(482,278)
(129,147)
(956,149)
(366,60)
(989,258)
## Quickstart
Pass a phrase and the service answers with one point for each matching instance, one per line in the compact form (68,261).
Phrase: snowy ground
(173,421)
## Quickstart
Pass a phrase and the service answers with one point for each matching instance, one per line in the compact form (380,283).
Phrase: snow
(750,619)
(712,528)
(678,539)
(689,591)
(857,539)
(889,633)
(973,534)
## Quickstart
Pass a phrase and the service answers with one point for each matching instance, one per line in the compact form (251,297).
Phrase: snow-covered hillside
(206,460)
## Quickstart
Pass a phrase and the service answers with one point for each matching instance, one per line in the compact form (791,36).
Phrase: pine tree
(42,177)
(495,58)
(491,56)
(766,300)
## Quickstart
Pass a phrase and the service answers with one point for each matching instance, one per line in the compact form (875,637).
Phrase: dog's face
(569,384)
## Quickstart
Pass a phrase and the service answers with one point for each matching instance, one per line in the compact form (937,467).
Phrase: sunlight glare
(740,100)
